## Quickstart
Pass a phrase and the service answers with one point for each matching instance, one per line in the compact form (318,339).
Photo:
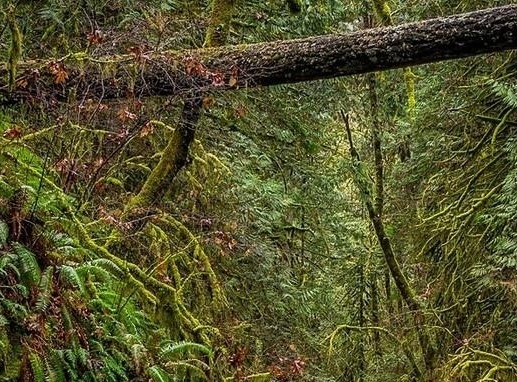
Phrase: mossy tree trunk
(177,73)
(172,160)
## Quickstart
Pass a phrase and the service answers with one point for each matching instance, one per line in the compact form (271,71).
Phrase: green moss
(219,24)
(409,78)
(159,178)
(383,11)
(15,50)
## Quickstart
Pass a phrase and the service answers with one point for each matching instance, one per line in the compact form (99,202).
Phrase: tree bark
(174,73)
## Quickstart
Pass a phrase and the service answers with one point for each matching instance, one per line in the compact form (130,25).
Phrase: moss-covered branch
(417,373)
(15,51)
(174,73)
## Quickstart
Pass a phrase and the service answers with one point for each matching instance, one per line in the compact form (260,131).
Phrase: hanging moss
(216,291)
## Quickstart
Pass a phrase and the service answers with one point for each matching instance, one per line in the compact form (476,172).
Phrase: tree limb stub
(177,72)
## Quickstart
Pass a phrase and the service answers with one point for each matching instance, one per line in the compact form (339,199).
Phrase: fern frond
(109,266)
(171,350)
(16,311)
(45,289)
(157,374)
(81,355)
(114,367)
(70,357)
(67,320)
(5,344)
(507,92)
(30,270)
(69,275)
(37,368)
(54,369)
(191,366)
(4,233)
(8,264)
(102,269)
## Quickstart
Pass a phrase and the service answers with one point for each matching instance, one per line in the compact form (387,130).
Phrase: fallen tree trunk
(172,73)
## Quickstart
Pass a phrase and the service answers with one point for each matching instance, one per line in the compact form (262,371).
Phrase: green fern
(8,264)
(14,310)
(28,265)
(114,368)
(171,350)
(81,354)
(192,367)
(4,233)
(70,277)
(507,92)
(67,320)
(102,269)
(5,343)
(37,367)
(54,369)
(157,374)
(70,358)
(45,289)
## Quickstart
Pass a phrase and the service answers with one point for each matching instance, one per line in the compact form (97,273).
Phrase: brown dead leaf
(125,115)
(96,37)
(13,132)
(194,68)
(240,111)
(147,129)
(208,102)
(59,72)
(217,79)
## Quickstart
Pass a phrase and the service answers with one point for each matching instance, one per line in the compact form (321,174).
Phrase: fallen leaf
(147,129)
(208,102)
(13,132)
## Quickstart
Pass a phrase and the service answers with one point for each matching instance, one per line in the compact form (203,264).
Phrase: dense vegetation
(355,229)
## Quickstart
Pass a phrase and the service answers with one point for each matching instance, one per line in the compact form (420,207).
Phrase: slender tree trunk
(174,73)
(427,343)
(387,290)
(362,322)
(407,293)
(219,24)
(374,291)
